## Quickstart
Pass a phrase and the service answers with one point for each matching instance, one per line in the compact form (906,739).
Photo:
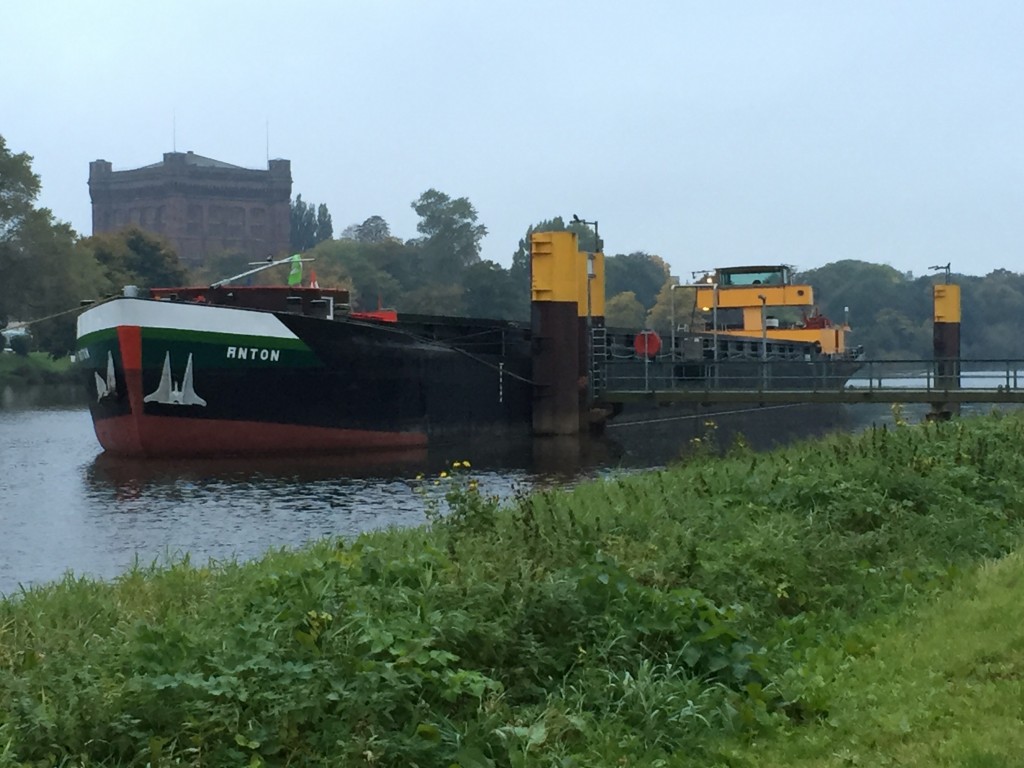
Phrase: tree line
(47,268)
(891,311)
(441,271)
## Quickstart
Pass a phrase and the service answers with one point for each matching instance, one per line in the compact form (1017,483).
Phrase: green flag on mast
(295,276)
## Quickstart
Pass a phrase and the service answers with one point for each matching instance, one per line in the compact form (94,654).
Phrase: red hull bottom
(160,436)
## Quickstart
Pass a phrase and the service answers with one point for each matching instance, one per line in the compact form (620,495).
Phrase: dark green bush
(21,344)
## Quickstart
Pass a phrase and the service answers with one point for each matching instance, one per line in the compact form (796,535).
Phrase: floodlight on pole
(591,274)
(672,312)
(940,267)
(764,327)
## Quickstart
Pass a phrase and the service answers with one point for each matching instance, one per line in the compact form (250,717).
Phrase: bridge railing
(824,374)
(965,373)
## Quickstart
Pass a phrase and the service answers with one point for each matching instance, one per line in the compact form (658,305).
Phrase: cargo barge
(243,370)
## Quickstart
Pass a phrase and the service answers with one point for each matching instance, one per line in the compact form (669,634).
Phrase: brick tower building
(202,206)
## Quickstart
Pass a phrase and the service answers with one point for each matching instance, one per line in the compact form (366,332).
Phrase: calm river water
(66,506)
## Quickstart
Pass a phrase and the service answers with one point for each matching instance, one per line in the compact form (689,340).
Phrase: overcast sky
(709,133)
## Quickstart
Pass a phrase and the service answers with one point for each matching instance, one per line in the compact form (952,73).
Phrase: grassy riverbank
(732,611)
(34,368)
(939,687)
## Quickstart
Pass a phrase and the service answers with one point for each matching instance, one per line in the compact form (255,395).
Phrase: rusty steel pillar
(556,402)
(946,346)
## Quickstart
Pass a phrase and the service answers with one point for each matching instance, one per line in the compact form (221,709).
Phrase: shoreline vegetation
(848,601)
(33,369)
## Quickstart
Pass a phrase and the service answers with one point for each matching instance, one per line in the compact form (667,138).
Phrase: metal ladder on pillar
(598,359)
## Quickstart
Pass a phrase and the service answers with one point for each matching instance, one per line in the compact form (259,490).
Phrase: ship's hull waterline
(175,378)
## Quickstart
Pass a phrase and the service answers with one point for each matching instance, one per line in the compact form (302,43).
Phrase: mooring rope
(79,308)
(446,344)
(705,415)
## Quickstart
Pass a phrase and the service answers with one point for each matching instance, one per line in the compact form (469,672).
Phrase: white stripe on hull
(181,316)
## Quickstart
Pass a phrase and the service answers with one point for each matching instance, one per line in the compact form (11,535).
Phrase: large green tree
(324,225)
(642,273)
(362,267)
(450,235)
(490,291)
(993,314)
(19,188)
(891,311)
(435,299)
(132,256)
(374,229)
(586,235)
(49,285)
(888,313)
(303,224)
(624,310)
(45,273)
(310,224)
(674,303)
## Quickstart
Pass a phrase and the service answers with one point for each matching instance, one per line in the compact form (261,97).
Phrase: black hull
(442,380)
(182,379)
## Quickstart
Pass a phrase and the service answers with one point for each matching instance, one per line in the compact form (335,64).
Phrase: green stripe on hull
(223,350)
(210,350)
(92,351)
(96,337)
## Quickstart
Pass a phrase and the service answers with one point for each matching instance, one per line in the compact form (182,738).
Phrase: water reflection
(42,396)
(132,476)
(556,458)
(235,508)
(68,506)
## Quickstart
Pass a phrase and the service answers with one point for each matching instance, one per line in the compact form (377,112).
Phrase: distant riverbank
(37,380)
(33,369)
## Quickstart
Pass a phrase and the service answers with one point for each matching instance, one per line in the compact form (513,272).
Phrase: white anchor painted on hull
(106,387)
(169,393)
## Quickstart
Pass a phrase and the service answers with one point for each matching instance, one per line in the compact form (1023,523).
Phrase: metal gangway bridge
(768,382)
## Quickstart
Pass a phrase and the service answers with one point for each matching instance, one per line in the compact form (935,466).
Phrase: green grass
(708,614)
(940,687)
(35,368)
